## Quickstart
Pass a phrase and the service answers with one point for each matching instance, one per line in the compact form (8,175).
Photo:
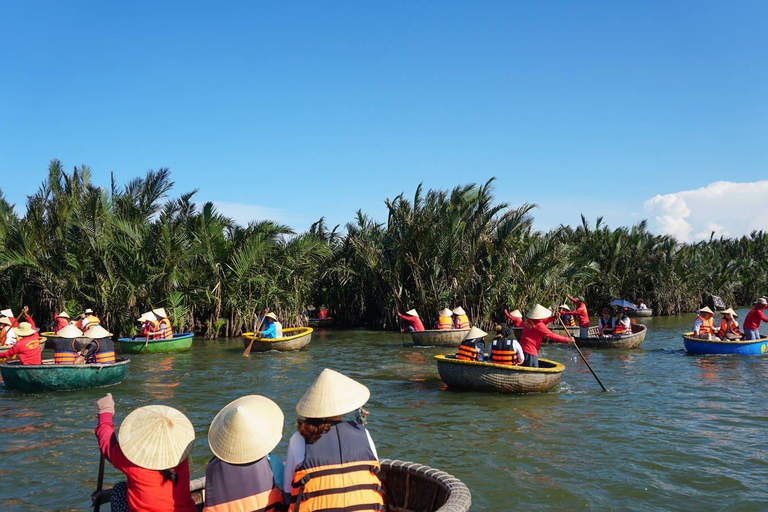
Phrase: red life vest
(468,350)
(461,322)
(65,351)
(727,326)
(707,325)
(445,323)
(236,487)
(502,352)
(339,472)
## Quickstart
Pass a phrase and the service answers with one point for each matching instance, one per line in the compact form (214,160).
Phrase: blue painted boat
(742,348)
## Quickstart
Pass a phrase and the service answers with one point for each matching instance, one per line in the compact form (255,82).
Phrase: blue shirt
(270,331)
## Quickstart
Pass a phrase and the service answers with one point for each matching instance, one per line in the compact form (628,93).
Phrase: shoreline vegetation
(129,248)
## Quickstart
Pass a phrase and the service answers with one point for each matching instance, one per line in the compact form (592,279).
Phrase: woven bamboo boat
(181,342)
(438,338)
(320,322)
(573,330)
(294,338)
(624,341)
(640,313)
(412,488)
(726,347)
(62,377)
(499,378)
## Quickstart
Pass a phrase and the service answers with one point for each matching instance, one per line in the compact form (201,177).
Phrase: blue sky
(299,110)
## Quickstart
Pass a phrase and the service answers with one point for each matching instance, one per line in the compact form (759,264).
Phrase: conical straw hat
(7,312)
(459,311)
(63,314)
(706,309)
(565,306)
(412,312)
(5,320)
(156,437)
(69,331)
(271,315)
(332,394)
(160,312)
(97,332)
(24,329)
(539,312)
(475,333)
(446,312)
(246,430)
(88,311)
(148,316)
(516,313)
(729,311)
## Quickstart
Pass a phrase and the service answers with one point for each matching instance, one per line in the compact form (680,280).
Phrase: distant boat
(725,347)
(181,342)
(623,341)
(640,313)
(438,337)
(320,322)
(499,378)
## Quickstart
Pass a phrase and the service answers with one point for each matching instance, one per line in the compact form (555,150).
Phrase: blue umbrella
(623,304)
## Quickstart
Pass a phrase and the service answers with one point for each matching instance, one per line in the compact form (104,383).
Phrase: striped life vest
(105,352)
(445,323)
(339,472)
(65,351)
(621,328)
(502,352)
(707,325)
(461,322)
(468,350)
(163,329)
(237,487)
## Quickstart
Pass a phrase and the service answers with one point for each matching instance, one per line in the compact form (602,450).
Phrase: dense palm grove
(125,250)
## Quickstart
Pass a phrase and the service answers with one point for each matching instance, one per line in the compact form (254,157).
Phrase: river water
(674,432)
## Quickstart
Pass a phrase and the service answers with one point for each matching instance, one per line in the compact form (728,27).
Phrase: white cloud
(246,213)
(727,208)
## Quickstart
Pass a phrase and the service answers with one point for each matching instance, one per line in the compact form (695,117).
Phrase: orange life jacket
(339,472)
(461,322)
(621,328)
(445,323)
(707,325)
(502,352)
(727,326)
(65,351)
(468,350)
(105,352)
(163,329)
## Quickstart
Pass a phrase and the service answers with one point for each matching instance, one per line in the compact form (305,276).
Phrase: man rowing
(581,314)
(411,317)
(753,319)
(534,332)
(27,347)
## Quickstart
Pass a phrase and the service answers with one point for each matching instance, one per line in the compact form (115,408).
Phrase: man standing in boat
(534,332)
(581,314)
(753,319)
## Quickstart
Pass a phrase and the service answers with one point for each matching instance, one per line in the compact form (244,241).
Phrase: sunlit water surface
(675,432)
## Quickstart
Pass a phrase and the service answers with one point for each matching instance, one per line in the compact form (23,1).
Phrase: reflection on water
(676,432)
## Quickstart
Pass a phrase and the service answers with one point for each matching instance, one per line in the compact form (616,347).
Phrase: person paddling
(515,318)
(27,346)
(24,315)
(753,319)
(62,320)
(729,326)
(534,332)
(148,325)
(411,317)
(581,314)
(272,328)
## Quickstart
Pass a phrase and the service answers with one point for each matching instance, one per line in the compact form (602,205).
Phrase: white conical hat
(539,312)
(459,311)
(271,315)
(97,332)
(63,314)
(160,312)
(5,320)
(565,306)
(475,333)
(70,331)
(246,430)
(156,437)
(412,312)
(729,311)
(706,309)
(332,394)
(446,312)
(516,313)
(148,316)
(7,312)
(88,311)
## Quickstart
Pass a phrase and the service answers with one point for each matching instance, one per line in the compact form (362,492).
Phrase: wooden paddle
(99,484)
(247,351)
(582,355)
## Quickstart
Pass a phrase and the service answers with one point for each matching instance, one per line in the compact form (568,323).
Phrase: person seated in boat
(605,322)
(729,326)
(242,475)
(460,319)
(162,329)
(566,316)
(641,305)
(534,332)
(24,315)
(623,324)
(704,325)
(101,349)
(515,318)
(61,321)
(269,327)
(472,347)
(504,348)
(148,325)
(152,451)
(411,317)
(27,346)
(581,314)
(66,349)
(326,455)
(7,333)
(753,319)
(445,320)
(88,320)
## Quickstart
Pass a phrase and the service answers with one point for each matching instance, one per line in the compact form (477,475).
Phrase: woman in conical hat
(515,318)
(66,349)
(445,320)
(729,326)
(62,320)
(704,325)
(460,319)
(240,476)
(534,332)
(411,317)
(328,454)
(162,329)
(151,449)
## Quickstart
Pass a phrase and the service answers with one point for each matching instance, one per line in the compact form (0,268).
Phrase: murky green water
(675,432)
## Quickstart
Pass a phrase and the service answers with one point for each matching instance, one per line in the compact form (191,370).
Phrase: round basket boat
(412,488)
(62,377)
(573,330)
(726,347)
(438,338)
(181,342)
(499,378)
(640,313)
(623,341)
(320,322)
(294,338)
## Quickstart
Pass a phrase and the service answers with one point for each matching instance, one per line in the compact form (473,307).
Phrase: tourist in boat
(729,326)
(753,319)
(460,319)
(24,315)
(148,325)
(27,346)
(66,349)
(472,347)
(640,304)
(514,318)
(162,329)
(242,475)
(101,350)
(151,451)
(411,317)
(606,323)
(270,328)
(445,320)
(327,455)
(88,320)
(62,320)
(581,314)
(7,333)
(704,325)
(566,316)
(534,332)
(504,348)
(623,324)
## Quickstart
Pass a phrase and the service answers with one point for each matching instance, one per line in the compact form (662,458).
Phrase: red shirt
(753,319)
(413,321)
(61,323)
(517,322)
(580,313)
(15,321)
(531,337)
(146,489)
(29,349)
